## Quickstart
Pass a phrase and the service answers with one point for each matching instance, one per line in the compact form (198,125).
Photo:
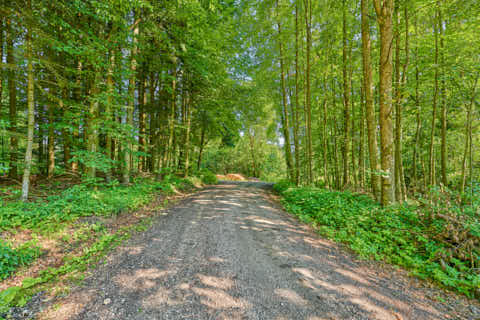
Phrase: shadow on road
(230,253)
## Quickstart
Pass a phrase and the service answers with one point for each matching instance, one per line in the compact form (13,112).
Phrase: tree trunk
(31,112)
(92,125)
(308,115)
(418,116)
(171,119)
(12,89)
(51,126)
(188,115)
(142,119)
(361,151)
(285,125)
(369,107)
(468,135)
(384,10)
(346,103)
(297,102)
(202,144)
(131,103)
(444,101)
(431,154)
(109,111)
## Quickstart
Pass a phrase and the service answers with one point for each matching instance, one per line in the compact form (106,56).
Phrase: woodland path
(231,252)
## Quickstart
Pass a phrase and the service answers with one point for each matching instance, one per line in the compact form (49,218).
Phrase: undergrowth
(51,215)
(437,239)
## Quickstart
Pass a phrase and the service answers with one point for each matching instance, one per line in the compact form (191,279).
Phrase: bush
(282,186)
(208,177)
(11,259)
(435,239)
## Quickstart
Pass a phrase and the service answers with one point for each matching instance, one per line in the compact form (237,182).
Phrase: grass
(438,238)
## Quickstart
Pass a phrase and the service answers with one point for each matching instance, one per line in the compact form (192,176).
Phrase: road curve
(229,252)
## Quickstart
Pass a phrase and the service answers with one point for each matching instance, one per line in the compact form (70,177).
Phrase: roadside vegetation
(49,243)
(436,238)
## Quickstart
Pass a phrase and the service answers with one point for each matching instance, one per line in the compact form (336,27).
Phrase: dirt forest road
(229,252)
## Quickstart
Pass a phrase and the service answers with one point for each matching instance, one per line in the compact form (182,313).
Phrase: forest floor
(231,252)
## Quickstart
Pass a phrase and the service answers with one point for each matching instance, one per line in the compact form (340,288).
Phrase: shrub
(435,239)
(282,186)
(11,259)
(208,177)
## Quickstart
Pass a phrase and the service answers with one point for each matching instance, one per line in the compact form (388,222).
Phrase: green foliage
(81,201)
(282,186)
(208,177)
(11,259)
(419,237)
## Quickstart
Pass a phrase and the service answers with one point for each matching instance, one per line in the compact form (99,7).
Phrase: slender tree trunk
(67,139)
(369,107)
(285,125)
(131,103)
(361,151)
(31,111)
(444,102)
(142,119)
(384,10)
(152,151)
(397,155)
(202,144)
(346,102)
(251,139)
(171,119)
(12,89)
(308,115)
(188,115)
(92,127)
(416,149)
(51,127)
(403,84)
(78,98)
(352,101)
(325,146)
(297,102)
(109,111)
(468,135)
(431,157)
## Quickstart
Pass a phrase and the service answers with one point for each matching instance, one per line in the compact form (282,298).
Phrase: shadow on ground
(230,253)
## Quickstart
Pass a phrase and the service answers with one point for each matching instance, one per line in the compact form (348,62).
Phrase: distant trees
(107,89)
(409,84)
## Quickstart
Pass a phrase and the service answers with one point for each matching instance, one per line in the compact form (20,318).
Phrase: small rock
(107,301)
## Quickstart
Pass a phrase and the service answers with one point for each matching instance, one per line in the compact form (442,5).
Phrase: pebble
(107,301)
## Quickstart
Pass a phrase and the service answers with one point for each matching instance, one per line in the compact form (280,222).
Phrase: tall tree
(384,11)
(369,107)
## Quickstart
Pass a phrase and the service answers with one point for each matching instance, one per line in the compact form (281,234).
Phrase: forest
(365,113)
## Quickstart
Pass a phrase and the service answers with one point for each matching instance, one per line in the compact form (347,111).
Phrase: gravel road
(230,252)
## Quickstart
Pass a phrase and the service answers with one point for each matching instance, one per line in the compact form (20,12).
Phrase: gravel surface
(230,252)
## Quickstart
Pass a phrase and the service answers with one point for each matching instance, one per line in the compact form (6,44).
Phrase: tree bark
(369,107)
(31,111)
(12,89)
(285,124)
(443,101)
(297,102)
(131,102)
(308,115)
(384,11)
(431,154)
(346,102)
